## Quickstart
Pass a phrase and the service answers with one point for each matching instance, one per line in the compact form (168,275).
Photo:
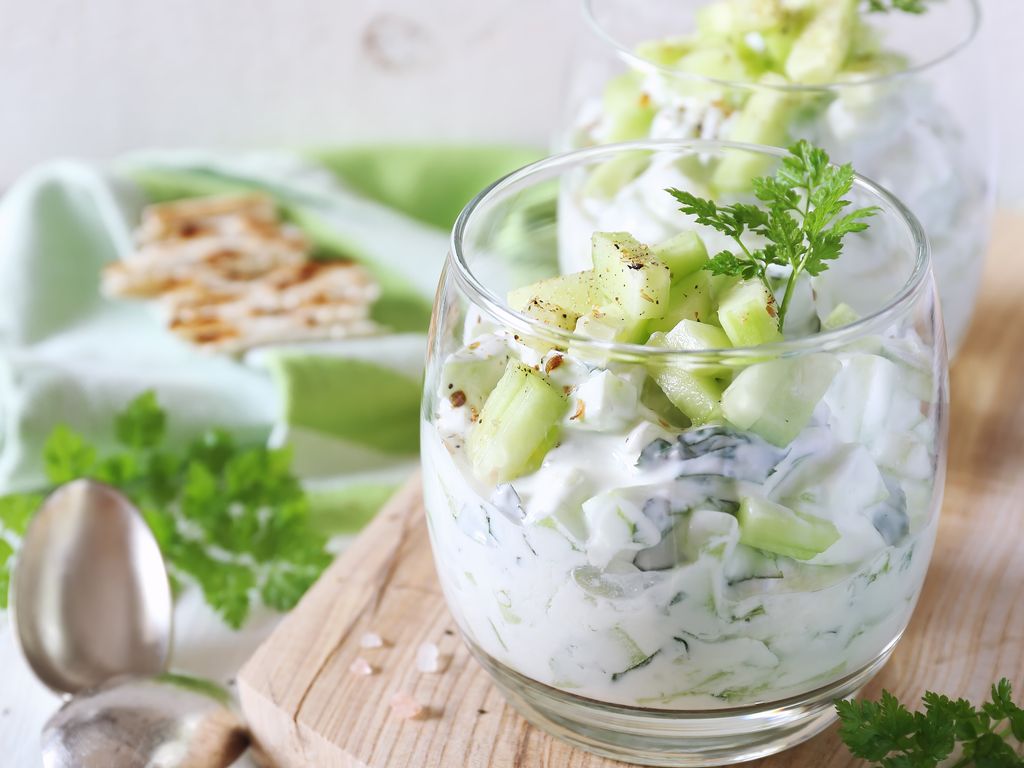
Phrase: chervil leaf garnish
(891,736)
(803,221)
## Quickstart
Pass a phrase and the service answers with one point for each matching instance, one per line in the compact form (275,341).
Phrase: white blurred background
(93,79)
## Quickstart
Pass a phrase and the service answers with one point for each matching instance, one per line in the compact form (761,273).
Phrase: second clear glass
(915,119)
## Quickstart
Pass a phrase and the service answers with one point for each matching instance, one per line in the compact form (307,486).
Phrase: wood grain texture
(307,709)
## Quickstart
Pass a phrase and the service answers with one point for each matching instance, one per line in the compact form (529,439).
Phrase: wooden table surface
(307,709)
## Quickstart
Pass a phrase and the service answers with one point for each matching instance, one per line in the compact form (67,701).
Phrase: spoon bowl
(169,720)
(90,599)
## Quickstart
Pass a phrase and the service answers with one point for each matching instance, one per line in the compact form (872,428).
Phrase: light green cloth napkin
(349,410)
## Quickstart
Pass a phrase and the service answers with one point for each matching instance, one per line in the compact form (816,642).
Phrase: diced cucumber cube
(609,324)
(693,390)
(869,398)
(748,315)
(577,292)
(630,276)
(665,52)
(604,402)
(776,399)
(654,399)
(605,324)
(764,119)
(823,46)
(716,21)
(718,60)
(627,108)
(772,527)
(684,254)
(551,314)
(843,314)
(607,178)
(518,425)
(688,300)
(720,285)
(735,18)
(689,334)
(471,375)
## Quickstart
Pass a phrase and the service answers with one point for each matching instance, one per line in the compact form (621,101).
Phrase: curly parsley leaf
(232,520)
(907,6)
(891,736)
(803,221)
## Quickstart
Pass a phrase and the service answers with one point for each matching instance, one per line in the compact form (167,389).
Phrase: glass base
(675,738)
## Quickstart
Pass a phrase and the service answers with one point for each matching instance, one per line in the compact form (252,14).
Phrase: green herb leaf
(907,6)
(891,736)
(66,456)
(233,520)
(803,221)
(142,424)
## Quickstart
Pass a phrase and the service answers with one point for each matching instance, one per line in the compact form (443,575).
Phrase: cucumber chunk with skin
(605,324)
(607,178)
(764,119)
(843,314)
(774,528)
(518,425)
(821,49)
(694,391)
(689,334)
(688,300)
(577,292)
(634,280)
(776,399)
(665,52)
(748,315)
(684,254)
(628,109)
(551,314)
(736,18)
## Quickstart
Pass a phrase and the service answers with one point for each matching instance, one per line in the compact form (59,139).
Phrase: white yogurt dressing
(615,571)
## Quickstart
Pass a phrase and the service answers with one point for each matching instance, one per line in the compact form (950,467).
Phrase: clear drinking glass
(914,118)
(611,593)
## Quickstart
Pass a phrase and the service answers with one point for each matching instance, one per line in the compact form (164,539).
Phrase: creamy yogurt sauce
(615,571)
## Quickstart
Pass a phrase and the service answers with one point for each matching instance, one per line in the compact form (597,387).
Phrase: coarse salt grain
(361,667)
(427,658)
(405,706)
(371,640)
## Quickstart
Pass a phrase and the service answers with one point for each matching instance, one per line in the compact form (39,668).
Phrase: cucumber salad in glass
(895,87)
(698,480)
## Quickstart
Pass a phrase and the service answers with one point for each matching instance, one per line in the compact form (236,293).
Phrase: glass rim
(637,61)
(498,308)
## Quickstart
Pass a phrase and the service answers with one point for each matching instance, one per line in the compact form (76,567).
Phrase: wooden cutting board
(307,709)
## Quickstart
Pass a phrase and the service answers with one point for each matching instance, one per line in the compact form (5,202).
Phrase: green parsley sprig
(801,220)
(891,736)
(232,519)
(907,6)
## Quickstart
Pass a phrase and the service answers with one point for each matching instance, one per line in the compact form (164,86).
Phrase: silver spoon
(91,604)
